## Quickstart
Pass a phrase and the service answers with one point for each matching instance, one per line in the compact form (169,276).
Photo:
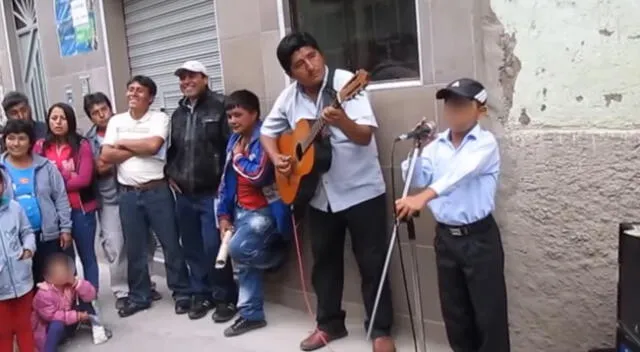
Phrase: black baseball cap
(464,88)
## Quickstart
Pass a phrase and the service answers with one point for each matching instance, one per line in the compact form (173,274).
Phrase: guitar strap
(328,95)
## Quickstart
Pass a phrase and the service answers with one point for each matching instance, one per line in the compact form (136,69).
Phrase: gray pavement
(159,329)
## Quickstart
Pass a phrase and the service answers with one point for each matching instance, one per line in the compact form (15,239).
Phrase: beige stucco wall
(579,61)
(564,80)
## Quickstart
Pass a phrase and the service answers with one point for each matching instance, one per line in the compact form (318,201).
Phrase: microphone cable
(402,267)
(301,271)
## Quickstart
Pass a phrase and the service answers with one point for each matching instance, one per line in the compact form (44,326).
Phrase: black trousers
(473,294)
(367,224)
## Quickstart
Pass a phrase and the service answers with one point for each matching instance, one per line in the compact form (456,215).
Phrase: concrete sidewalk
(159,329)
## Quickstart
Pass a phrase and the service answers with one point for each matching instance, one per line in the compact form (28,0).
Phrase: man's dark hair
(12,99)
(145,82)
(291,43)
(243,99)
(17,127)
(93,99)
(73,137)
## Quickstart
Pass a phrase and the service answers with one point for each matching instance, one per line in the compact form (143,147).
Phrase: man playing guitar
(351,195)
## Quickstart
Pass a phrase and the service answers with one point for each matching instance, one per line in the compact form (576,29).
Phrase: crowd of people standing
(210,169)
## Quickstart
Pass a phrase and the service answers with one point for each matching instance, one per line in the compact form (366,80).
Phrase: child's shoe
(99,332)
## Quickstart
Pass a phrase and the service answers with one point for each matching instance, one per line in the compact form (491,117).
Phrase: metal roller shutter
(162,34)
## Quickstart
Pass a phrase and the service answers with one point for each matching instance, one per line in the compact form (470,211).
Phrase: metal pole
(416,282)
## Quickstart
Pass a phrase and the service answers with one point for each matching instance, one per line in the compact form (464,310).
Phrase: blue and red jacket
(259,170)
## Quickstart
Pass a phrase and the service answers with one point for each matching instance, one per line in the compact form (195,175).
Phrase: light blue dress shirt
(465,178)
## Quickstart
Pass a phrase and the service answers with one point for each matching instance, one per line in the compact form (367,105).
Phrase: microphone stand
(421,341)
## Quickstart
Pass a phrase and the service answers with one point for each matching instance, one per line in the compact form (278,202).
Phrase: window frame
(373,86)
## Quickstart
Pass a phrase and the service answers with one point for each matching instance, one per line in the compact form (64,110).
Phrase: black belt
(144,186)
(475,227)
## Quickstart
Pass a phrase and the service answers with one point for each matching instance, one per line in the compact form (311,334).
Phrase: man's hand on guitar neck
(337,117)
(334,117)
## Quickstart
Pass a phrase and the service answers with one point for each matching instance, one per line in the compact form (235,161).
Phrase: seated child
(16,277)
(55,317)
(250,206)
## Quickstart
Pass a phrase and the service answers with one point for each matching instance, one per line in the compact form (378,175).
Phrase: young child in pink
(55,316)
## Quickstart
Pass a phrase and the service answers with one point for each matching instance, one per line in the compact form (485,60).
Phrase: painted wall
(6,80)
(565,91)
(68,71)
(580,61)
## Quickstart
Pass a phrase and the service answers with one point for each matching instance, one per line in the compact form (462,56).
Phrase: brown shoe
(384,344)
(319,339)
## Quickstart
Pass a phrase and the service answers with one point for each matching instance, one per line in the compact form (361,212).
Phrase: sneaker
(100,334)
(155,295)
(242,325)
(182,306)
(121,302)
(199,308)
(132,308)
(319,339)
(384,344)
(224,312)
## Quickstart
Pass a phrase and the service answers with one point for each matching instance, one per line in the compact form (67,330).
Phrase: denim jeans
(141,211)
(201,242)
(249,248)
(57,332)
(84,236)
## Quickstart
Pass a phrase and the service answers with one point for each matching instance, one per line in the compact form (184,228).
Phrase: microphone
(223,253)
(423,129)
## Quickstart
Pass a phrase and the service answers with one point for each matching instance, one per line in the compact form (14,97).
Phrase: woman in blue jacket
(37,185)
(249,205)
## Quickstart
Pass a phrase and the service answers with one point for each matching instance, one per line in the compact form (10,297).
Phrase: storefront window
(377,35)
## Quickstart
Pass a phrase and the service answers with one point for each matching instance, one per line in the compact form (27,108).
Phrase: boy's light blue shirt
(465,178)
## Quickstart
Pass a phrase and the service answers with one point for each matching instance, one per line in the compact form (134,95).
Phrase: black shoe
(182,306)
(224,312)
(131,308)
(199,308)
(121,302)
(242,325)
(155,295)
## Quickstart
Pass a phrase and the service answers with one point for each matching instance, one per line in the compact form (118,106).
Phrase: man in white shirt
(350,195)
(135,142)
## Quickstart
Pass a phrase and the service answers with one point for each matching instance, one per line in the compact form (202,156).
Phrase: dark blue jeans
(201,242)
(57,332)
(250,249)
(84,236)
(142,211)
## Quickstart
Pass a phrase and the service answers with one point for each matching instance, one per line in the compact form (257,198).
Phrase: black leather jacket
(199,137)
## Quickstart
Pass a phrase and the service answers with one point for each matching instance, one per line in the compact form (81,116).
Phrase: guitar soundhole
(299,151)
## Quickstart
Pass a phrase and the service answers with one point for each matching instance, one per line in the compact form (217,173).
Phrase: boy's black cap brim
(459,92)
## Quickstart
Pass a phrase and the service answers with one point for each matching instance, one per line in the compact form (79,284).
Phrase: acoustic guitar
(308,151)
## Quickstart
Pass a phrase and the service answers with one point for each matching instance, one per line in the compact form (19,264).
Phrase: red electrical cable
(302,281)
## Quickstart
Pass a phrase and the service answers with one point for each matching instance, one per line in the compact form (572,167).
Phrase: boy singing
(458,173)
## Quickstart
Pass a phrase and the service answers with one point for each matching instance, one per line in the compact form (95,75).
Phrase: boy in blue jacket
(249,206)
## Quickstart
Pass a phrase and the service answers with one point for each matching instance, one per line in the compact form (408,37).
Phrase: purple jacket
(52,304)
